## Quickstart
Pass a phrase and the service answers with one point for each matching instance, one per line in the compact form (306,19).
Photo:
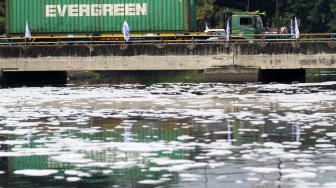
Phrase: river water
(170,135)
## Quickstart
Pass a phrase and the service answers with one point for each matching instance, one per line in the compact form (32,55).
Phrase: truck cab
(246,26)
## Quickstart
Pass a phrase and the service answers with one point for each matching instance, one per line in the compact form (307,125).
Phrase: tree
(332,23)
(2,8)
(204,13)
(314,15)
(2,17)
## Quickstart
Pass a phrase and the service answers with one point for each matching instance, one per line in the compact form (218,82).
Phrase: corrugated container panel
(100,16)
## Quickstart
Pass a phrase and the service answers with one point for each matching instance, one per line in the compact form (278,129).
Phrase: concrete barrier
(181,56)
(196,56)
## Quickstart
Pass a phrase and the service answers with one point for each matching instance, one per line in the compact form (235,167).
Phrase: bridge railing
(179,38)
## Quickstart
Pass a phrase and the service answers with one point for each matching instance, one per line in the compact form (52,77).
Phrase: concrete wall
(167,56)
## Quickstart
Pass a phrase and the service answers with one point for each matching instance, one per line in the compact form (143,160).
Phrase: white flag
(297,32)
(228,31)
(126,31)
(292,27)
(27,31)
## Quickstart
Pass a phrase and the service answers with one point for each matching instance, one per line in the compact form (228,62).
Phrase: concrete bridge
(217,59)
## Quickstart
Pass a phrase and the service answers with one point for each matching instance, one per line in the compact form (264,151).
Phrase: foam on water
(302,175)
(151,182)
(219,152)
(263,170)
(34,172)
(73,179)
(71,158)
(237,124)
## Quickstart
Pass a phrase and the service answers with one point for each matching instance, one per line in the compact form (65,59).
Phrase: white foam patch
(107,171)
(248,130)
(221,177)
(124,164)
(216,165)
(89,131)
(95,165)
(256,122)
(36,151)
(72,158)
(322,141)
(329,185)
(76,173)
(220,132)
(167,161)
(141,147)
(219,152)
(291,171)
(34,172)
(273,145)
(331,134)
(15,132)
(324,145)
(202,157)
(295,156)
(327,168)
(323,124)
(73,179)
(253,179)
(185,137)
(263,170)
(13,154)
(59,177)
(151,182)
(14,142)
(179,167)
(24,124)
(183,167)
(302,175)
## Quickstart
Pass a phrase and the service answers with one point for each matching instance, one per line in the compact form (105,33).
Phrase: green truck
(99,17)
(243,25)
(246,25)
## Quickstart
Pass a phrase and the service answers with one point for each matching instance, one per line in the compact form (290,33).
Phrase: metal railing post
(332,37)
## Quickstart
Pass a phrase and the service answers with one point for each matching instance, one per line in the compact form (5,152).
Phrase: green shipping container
(100,16)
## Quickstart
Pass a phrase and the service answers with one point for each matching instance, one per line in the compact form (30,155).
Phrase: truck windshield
(260,25)
(246,21)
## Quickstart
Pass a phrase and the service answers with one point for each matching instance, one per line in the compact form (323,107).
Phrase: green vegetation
(2,17)
(205,12)
(314,15)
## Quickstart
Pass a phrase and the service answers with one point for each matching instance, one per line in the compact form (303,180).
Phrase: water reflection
(4,161)
(296,132)
(169,135)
